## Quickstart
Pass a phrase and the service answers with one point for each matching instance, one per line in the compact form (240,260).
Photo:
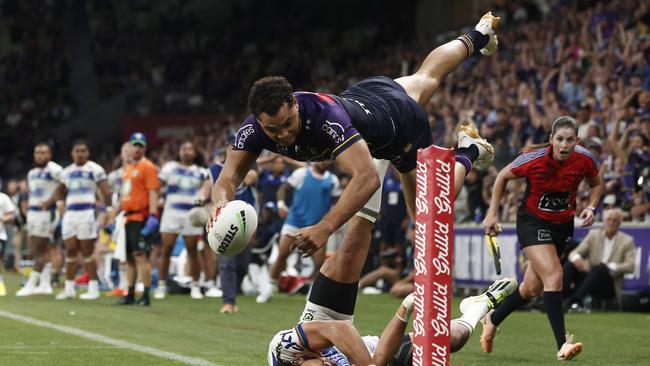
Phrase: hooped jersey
(182,184)
(42,182)
(291,344)
(552,186)
(81,183)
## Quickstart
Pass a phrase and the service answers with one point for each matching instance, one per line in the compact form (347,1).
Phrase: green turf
(196,329)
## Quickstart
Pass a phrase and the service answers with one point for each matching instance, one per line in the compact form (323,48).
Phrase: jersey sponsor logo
(242,135)
(330,129)
(554,201)
(544,235)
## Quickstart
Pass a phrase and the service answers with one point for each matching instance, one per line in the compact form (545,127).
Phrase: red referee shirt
(552,186)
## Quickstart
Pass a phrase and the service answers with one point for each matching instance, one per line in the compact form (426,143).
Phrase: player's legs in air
(421,86)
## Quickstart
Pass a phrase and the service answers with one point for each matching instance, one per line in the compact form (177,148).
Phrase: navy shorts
(391,122)
(404,354)
(531,230)
(3,244)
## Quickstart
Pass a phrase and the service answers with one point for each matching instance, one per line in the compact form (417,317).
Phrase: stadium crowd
(592,63)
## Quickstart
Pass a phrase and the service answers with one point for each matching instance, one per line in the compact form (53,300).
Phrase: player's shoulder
(169,166)
(95,166)
(585,154)
(53,166)
(69,168)
(530,157)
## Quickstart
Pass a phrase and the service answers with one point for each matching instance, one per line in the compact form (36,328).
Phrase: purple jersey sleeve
(330,121)
(250,137)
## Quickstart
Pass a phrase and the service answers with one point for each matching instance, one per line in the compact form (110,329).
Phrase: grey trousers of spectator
(232,271)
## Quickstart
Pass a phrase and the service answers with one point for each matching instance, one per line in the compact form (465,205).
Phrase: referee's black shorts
(531,230)
(135,242)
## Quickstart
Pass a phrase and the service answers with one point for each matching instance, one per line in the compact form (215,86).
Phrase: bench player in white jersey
(81,181)
(42,180)
(7,214)
(186,185)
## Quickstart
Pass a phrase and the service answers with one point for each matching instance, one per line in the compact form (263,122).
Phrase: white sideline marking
(113,342)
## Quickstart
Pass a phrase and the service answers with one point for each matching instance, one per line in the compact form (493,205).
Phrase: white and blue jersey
(182,185)
(292,344)
(81,183)
(243,192)
(42,182)
(312,197)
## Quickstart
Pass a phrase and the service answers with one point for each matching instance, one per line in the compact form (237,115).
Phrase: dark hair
(43,143)
(560,122)
(268,94)
(80,142)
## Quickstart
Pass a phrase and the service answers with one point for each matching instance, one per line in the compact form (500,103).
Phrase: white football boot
(195,292)
(467,136)
(486,26)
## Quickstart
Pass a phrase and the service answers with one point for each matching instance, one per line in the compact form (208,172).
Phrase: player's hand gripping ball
(233,229)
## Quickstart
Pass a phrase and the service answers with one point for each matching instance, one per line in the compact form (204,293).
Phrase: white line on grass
(103,339)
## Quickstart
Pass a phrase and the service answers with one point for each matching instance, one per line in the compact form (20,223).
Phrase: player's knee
(528,292)
(553,281)
(458,338)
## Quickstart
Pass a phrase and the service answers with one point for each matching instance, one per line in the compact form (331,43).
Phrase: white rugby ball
(233,229)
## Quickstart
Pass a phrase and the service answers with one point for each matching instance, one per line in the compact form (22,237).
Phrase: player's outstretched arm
(391,337)
(357,162)
(237,165)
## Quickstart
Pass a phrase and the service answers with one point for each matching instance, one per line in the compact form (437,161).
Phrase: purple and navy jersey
(377,110)
(326,131)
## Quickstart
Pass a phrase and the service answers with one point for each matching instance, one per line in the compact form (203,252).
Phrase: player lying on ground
(338,343)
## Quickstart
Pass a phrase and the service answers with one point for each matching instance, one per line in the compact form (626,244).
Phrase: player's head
(80,152)
(285,350)
(126,153)
(138,142)
(564,137)
(272,102)
(186,153)
(42,154)
(278,165)
(322,166)
(612,221)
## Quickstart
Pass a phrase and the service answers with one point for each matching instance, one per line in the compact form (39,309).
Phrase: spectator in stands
(394,219)
(271,179)
(596,267)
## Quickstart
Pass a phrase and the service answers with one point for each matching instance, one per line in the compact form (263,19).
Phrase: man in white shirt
(42,180)
(7,212)
(596,267)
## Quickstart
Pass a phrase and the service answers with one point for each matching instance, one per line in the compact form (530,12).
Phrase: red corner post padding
(434,232)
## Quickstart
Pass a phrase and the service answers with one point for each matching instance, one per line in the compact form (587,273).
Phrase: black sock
(478,39)
(471,152)
(145,294)
(555,314)
(131,293)
(510,304)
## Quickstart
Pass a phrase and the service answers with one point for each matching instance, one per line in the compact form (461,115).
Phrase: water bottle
(587,304)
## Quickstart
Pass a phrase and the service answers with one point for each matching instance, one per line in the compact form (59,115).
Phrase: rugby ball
(233,229)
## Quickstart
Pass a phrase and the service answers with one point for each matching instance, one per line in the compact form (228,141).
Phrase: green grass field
(196,329)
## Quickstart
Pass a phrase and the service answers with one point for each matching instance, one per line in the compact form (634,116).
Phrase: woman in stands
(545,221)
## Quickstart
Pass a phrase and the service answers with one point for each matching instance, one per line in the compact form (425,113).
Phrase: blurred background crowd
(62,63)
